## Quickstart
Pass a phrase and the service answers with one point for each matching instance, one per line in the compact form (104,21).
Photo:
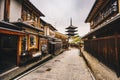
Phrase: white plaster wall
(15,10)
(48,30)
(45,30)
(51,33)
(118,5)
(2,2)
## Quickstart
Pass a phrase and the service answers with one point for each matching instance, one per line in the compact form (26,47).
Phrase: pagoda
(71,29)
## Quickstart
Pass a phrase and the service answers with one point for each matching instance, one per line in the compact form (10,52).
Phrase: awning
(23,24)
(9,25)
(11,31)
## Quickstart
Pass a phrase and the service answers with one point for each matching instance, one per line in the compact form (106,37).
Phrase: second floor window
(32,40)
(28,16)
(24,15)
(33,17)
(36,19)
(108,11)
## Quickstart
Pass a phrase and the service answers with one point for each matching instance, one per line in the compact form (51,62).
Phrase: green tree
(76,40)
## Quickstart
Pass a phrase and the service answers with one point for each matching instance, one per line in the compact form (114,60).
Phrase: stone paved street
(66,66)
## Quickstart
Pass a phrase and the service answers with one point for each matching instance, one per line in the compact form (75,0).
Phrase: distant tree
(76,40)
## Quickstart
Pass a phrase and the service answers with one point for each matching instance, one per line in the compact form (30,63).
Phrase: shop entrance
(8,51)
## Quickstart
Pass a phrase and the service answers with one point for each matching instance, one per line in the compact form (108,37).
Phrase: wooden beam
(7,10)
(4,31)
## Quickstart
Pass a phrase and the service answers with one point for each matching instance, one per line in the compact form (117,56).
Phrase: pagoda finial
(71,21)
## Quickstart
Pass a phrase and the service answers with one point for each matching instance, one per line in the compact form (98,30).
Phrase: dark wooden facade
(106,50)
(103,41)
(10,43)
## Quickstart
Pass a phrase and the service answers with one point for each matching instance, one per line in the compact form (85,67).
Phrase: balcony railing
(34,24)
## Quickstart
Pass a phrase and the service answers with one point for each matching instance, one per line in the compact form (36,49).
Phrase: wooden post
(19,49)
(28,42)
(37,43)
(116,54)
(118,6)
(7,10)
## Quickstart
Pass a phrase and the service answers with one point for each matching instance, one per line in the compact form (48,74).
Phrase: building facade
(49,30)
(64,39)
(26,17)
(103,39)
(10,45)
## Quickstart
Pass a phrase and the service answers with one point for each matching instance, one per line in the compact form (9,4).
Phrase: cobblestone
(67,66)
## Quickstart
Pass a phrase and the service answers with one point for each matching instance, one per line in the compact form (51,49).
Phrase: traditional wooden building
(10,45)
(26,17)
(49,30)
(47,34)
(57,40)
(103,41)
(71,29)
(64,39)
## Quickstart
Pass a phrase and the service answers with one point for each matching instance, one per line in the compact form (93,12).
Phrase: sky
(59,12)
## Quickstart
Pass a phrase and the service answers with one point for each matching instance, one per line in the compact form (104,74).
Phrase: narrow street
(67,66)
(59,40)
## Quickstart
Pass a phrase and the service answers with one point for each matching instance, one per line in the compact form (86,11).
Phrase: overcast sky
(59,12)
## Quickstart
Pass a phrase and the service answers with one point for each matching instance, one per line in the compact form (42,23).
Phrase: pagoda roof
(71,30)
(71,27)
(71,34)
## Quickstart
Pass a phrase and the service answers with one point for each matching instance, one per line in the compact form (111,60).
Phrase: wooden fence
(106,50)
